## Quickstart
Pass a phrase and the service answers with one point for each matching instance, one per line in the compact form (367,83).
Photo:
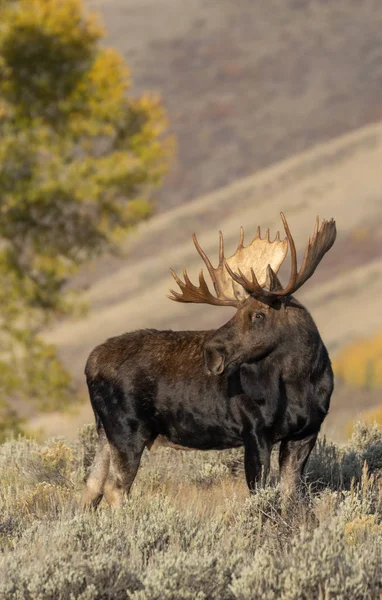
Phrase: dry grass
(189,528)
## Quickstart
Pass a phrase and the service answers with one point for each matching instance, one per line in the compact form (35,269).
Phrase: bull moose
(262,378)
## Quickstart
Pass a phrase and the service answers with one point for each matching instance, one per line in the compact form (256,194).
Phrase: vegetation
(79,159)
(360,363)
(189,529)
(371,416)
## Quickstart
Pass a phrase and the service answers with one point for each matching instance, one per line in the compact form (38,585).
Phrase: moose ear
(272,282)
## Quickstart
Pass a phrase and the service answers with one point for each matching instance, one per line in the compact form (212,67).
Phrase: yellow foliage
(369,416)
(360,363)
(58,457)
(361,527)
(79,162)
(45,48)
(64,19)
(44,497)
(105,85)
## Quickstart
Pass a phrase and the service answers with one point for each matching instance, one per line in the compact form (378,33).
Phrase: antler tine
(251,286)
(201,293)
(241,239)
(221,248)
(177,279)
(322,240)
(207,261)
(189,292)
(204,256)
(290,288)
(317,226)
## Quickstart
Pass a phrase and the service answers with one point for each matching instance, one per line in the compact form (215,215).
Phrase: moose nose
(214,359)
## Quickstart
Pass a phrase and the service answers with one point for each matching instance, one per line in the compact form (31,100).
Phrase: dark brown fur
(262,378)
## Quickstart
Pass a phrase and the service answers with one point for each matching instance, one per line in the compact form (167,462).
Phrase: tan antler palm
(323,239)
(260,253)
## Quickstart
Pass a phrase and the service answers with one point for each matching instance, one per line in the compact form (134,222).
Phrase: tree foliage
(79,159)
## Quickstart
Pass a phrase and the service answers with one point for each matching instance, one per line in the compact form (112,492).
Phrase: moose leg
(257,459)
(95,480)
(292,460)
(125,457)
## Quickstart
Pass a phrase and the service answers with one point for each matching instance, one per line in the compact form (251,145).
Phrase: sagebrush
(189,529)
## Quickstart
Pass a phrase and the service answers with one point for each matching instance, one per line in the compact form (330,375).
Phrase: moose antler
(192,293)
(258,254)
(323,239)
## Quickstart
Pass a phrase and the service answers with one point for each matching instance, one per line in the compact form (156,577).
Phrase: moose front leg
(292,460)
(257,459)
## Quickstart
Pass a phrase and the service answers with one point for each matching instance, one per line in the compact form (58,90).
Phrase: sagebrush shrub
(365,435)
(189,528)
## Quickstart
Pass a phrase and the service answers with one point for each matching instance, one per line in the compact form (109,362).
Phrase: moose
(262,378)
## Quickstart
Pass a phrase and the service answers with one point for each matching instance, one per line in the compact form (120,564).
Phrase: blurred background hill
(274,106)
(247,84)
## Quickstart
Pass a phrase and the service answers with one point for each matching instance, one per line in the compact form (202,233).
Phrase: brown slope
(249,83)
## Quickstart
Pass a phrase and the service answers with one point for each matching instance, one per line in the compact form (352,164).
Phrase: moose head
(268,318)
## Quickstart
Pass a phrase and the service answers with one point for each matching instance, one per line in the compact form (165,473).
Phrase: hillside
(247,84)
(341,179)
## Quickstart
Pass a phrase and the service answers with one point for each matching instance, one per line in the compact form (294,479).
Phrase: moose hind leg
(99,470)
(127,433)
(292,460)
(125,457)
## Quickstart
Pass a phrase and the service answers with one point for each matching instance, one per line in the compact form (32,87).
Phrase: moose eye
(257,316)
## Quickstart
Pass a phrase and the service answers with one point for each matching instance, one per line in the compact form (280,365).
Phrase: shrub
(192,532)
(87,440)
(365,435)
